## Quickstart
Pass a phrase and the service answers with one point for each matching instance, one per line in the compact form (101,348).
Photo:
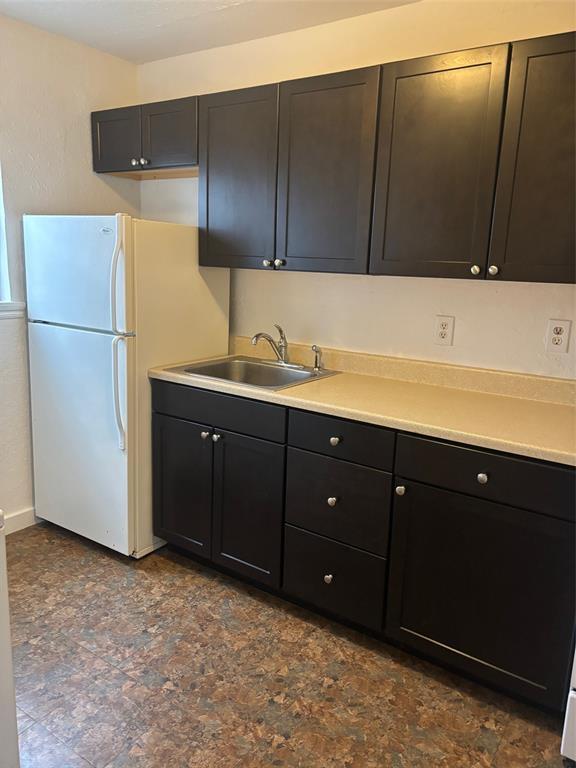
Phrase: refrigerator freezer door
(78,271)
(81,442)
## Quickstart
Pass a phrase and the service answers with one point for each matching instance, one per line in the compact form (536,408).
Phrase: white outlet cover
(558,336)
(444,330)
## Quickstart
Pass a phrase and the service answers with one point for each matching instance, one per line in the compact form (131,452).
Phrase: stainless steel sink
(253,372)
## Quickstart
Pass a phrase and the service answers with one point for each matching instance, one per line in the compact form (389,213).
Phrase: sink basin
(255,373)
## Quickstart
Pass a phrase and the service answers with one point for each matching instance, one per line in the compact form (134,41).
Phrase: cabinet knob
(216,437)
(332,501)
(279,262)
(335,441)
(482,478)
(475,269)
(400,490)
(143,161)
(204,435)
(493,269)
(328,578)
(266,263)
(134,162)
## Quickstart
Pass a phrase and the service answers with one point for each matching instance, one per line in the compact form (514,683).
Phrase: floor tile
(40,749)
(24,720)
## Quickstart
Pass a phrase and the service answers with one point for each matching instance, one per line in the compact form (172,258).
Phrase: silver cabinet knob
(143,161)
(204,435)
(475,269)
(266,263)
(328,578)
(493,269)
(335,441)
(279,262)
(134,162)
(332,501)
(216,437)
(400,490)
(482,478)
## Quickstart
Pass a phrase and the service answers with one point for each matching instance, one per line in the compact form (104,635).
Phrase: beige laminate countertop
(516,425)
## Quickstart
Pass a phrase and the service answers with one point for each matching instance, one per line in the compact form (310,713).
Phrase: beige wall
(497,325)
(48,86)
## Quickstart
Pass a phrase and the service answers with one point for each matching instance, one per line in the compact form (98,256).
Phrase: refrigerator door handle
(114,275)
(116,386)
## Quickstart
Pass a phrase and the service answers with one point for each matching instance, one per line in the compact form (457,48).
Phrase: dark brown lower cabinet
(485,588)
(248,506)
(334,577)
(182,483)
(462,575)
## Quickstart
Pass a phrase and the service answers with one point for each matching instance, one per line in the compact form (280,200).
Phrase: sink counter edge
(530,428)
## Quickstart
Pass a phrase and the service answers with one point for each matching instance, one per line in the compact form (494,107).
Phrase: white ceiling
(146,30)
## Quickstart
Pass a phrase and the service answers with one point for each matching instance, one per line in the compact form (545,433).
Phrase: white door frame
(8,727)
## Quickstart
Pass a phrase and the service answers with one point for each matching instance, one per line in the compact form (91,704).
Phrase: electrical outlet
(558,336)
(444,331)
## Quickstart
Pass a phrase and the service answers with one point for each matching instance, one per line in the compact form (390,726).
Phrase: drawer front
(334,577)
(342,439)
(340,500)
(531,485)
(236,414)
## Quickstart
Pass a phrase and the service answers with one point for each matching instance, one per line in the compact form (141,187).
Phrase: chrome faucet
(280,347)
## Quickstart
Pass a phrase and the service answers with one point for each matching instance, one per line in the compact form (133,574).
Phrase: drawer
(340,500)
(235,414)
(342,439)
(334,577)
(533,485)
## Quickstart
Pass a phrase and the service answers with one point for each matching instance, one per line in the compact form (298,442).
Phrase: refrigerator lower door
(81,444)
(8,730)
(78,271)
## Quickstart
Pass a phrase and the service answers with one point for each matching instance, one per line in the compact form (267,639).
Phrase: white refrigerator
(109,297)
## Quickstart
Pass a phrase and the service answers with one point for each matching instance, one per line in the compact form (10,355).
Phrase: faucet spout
(279,348)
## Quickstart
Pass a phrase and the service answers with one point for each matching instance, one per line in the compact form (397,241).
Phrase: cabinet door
(534,219)
(237,198)
(182,455)
(116,139)
(325,171)
(248,506)
(169,133)
(439,131)
(485,588)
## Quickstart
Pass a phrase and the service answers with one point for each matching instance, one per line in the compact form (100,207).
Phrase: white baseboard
(21,518)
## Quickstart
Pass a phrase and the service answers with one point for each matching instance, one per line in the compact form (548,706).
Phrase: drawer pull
(204,435)
(482,478)
(332,501)
(328,578)
(400,490)
(335,441)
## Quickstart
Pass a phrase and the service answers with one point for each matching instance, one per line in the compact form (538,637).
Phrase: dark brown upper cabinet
(170,133)
(534,221)
(146,137)
(116,140)
(439,134)
(326,147)
(237,197)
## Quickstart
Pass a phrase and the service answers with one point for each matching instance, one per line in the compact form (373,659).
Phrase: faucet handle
(317,357)
(280,331)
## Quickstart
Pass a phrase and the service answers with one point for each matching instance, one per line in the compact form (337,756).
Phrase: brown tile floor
(161,663)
